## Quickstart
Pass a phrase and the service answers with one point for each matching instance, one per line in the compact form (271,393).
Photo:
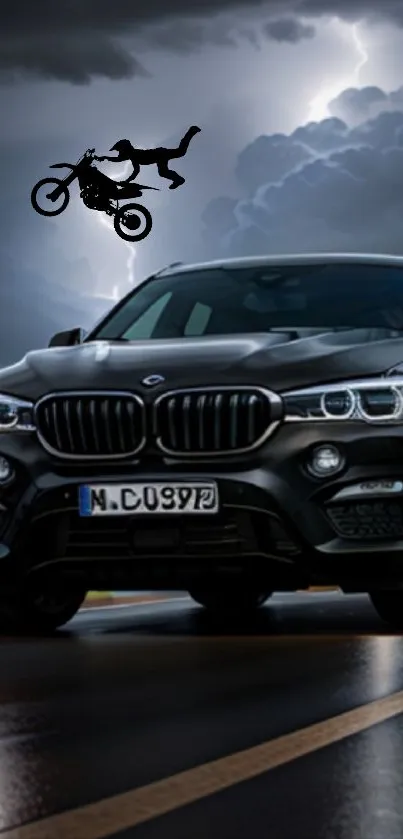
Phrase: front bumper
(276,522)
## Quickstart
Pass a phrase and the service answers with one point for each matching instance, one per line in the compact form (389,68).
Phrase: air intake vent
(215,421)
(91,425)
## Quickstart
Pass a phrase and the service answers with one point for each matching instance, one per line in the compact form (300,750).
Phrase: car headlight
(15,414)
(372,401)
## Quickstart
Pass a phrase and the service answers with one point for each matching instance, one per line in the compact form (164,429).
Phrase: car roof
(277,260)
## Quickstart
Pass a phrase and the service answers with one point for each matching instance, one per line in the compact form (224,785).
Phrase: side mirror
(68,338)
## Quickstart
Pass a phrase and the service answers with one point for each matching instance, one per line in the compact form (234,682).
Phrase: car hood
(271,360)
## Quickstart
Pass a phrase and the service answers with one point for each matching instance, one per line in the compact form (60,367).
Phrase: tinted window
(198,320)
(144,326)
(291,298)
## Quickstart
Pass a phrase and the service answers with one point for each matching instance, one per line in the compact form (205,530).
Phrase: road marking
(276,600)
(129,809)
(150,602)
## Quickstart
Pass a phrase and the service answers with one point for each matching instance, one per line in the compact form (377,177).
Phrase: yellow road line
(140,599)
(98,595)
(129,809)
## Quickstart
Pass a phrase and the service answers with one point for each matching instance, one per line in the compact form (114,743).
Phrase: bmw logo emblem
(151,381)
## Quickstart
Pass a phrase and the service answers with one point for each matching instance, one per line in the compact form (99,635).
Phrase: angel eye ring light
(377,400)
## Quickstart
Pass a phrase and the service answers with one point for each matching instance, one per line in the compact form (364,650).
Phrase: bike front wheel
(50,190)
(133,222)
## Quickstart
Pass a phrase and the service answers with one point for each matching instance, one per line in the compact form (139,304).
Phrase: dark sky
(260,177)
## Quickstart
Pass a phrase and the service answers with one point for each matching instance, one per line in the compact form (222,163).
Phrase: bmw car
(231,429)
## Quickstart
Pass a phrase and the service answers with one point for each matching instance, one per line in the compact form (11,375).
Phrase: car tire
(389,605)
(230,600)
(31,610)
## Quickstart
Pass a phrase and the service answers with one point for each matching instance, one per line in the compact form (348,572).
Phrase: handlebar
(88,153)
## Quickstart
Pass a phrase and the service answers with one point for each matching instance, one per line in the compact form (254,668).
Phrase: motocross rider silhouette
(146,157)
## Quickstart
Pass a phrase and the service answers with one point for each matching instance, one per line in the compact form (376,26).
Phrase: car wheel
(389,605)
(230,600)
(34,609)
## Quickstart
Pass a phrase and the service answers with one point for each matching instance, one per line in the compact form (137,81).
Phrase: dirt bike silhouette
(98,192)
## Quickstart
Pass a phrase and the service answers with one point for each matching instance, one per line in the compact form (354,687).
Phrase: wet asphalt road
(125,697)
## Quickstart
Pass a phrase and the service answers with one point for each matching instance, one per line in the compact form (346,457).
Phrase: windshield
(299,299)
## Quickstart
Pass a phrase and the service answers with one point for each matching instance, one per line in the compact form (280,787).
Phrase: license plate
(142,499)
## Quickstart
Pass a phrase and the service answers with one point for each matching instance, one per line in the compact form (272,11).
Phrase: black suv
(229,428)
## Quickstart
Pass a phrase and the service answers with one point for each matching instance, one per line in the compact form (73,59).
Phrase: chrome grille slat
(218,401)
(81,423)
(252,400)
(56,426)
(171,420)
(67,419)
(201,402)
(119,415)
(233,420)
(129,408)
(91,425)
(186,405)
(105,415)
(48,419)
(93,420)
(215,420)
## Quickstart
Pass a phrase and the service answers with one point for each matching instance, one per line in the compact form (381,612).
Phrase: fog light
(324,461)
(6,471)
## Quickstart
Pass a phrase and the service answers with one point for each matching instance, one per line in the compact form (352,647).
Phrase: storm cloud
(56,57)
(84,39)
(356,105)
(288,30)
(343,189)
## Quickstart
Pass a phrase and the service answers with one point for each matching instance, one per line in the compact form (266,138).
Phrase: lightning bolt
(319,107)
(361,51)
(132,250)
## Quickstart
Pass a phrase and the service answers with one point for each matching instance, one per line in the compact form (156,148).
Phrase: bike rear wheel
(52,184)
(133,222)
